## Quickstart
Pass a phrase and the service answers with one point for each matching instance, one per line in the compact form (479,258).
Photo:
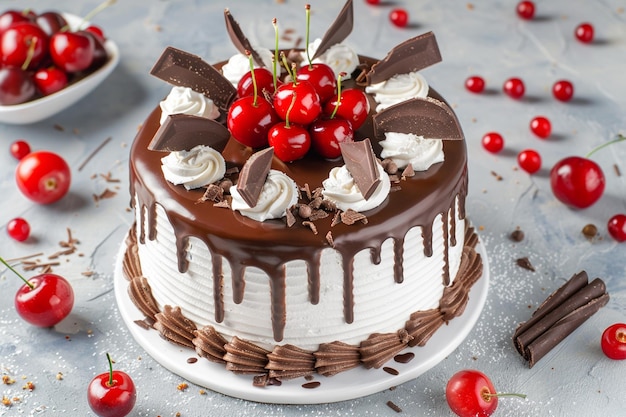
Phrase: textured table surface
(485,38)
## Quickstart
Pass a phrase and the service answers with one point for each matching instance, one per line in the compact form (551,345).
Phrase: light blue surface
(484,38)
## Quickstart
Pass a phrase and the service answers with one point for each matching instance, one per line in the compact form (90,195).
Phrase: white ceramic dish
(42,108)
(348,385)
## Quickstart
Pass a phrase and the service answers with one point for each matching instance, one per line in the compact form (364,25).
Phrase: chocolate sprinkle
(253,175)
(183,132)
(362,165)
(410,56)
(525,263)
(311,385)
(338,31)
(426,117)
(183,69)
(394,407)
(391,371)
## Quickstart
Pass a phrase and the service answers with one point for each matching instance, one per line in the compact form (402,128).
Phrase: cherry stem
(254,87)
(32,287)
(293,101)
(292,74)
(30,53)
(111,381)
(97,10)
(620,138)
(506,394)
(275,58)
(308,26)
(338,103)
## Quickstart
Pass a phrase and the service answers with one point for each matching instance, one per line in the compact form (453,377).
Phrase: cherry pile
(40,54)
(308,112)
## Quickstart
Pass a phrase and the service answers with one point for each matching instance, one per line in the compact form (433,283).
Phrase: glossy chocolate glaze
(269,245)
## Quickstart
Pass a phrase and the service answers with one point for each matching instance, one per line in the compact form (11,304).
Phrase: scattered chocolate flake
(88,273)
(408,172)
(108,177)
(232,171)
(253,175)
(391,371)
(307,191)
(329,239)
(590,231)
(470,6)
(222,204)
(617,170)
(517,235)
(104,195)
(317,215)
(311,385)
(394,407)
(92,154)
(225,185)
(350,217)
(404,357)
(316,202)
(58,127)
(336,219)
(213,193)
(394,179)
(291,219)
(525,263)
(362,165)
(192,360)
(497,176)
(395,188)
(311,226)
(389,166)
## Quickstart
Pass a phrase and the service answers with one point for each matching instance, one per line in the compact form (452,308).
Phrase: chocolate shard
(338,30)
(239,39)
(425,117)
(253,175)
(183,69)
(410,56)
(182,132)
(562,313)
(362,165)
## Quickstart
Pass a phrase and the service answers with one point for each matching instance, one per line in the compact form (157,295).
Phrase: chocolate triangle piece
(425,117)
(183,69)
(239,39)
(253,175)
(362,165)
(411,55)
(338,31)
(182,132)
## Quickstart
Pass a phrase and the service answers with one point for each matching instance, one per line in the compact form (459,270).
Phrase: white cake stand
(354,383)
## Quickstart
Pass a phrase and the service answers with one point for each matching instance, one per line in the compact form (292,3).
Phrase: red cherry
(584,32)
(96,30)
(617,227)
(10,17)
(304,109)
(613,341)
(526,10)
(471,393)
(72,51)
(50,80)
(16,86)
(100,55)
(529,160)
(42,176)
(19,149)
(18,229)
(475,84)
(514,88)
(563,90)
(250,122)
(493,142)
(399,17)
(327,134)
(111,394)
(290,141)
(353,106)
(51,22)
(321,76)
(541,127)
(577,182)
(264,82)
(23,41)
(373,2)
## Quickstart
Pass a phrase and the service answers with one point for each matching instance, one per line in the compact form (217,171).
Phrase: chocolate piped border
(289,361)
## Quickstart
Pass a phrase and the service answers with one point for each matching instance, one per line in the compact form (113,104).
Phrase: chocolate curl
(239,39)
(362,165)
(183,69)
(562,313)
(425,117)
(338,31)
(182,132)
(412,55)
(253,175)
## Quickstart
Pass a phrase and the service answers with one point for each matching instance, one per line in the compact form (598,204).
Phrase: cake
(323,284)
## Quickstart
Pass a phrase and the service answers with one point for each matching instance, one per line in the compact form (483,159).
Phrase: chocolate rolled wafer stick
(562,313)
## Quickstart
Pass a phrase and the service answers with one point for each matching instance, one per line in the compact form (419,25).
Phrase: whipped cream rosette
(200,166)
(184,100)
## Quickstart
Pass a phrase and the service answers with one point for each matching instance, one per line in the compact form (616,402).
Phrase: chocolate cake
(322,287)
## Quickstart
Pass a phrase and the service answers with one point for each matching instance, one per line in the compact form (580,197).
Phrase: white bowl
(44,107)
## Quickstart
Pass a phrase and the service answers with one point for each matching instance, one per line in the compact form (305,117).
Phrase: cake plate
(351,384)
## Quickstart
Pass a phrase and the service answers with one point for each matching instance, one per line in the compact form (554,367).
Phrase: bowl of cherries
(49,61)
